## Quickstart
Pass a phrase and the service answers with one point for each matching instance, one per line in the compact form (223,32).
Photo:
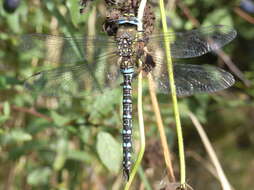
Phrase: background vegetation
(49,143)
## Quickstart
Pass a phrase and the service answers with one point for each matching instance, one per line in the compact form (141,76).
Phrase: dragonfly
(114,60)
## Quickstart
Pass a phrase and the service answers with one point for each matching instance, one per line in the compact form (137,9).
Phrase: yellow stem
(163,138)
(174,98)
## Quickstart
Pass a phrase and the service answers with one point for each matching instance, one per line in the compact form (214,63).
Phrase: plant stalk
(174,98)
(159,121)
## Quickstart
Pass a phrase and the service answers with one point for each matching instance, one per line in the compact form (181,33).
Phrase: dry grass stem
(207,165)
(163,138)
(221,175)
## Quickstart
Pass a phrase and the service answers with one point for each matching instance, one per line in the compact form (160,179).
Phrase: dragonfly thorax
(125,46)
(125,41)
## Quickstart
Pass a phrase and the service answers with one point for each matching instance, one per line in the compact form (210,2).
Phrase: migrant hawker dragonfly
(123,51)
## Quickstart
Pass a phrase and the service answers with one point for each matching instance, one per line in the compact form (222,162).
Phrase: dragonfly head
(111,25)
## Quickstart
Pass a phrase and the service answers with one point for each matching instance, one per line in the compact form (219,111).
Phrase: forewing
(60,49)
(191,79)
(194,42)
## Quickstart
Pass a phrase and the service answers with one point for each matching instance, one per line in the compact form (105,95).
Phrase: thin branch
(227,60)
(244,15)
(187,13)
(30,111)
(207,165)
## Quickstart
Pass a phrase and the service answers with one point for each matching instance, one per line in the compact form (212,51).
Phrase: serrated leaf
(39,176)
(109,151)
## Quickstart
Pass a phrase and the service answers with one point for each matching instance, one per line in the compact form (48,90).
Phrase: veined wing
(60,49)
(195,42)
(73,80)
(191,79)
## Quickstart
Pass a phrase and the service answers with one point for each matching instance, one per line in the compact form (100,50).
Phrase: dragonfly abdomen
(127,119)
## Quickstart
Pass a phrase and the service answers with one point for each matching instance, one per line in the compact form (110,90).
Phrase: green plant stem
(174,98)
(144,179)
(141,133)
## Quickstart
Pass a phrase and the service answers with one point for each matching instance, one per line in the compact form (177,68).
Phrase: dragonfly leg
(148,64)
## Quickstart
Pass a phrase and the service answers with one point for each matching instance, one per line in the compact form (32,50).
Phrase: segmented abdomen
(127,120)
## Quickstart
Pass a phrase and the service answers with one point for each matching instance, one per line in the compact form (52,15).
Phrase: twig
(163,138)
(227,60)
(187,13)
(244,15)
(31,111)
(223,179)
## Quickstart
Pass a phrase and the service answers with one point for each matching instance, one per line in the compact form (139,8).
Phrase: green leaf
(59,119)
(109,151)
(79,156)
(62,149)
(219,16)
(84,134)
(16,136)
(39,176)
(3,82)
(107,101)
(76,17)
(6,109)
(13,22)
(6,112)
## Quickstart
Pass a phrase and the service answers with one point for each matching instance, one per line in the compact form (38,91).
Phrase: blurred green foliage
(74,143)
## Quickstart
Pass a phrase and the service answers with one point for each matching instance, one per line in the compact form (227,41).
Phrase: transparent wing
(75,80)
(194,42)
(59,49)
(191,79)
